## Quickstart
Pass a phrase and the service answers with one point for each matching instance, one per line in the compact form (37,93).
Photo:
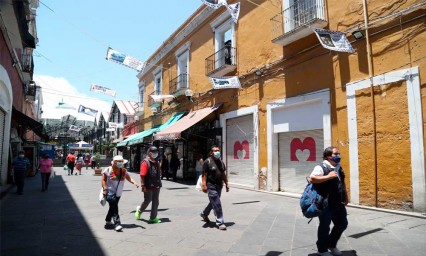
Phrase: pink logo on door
(241,149)
(307,144)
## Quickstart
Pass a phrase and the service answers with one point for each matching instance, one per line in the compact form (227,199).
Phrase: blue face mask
(119,164)
(154,155)
(21,155)
(336,159)
(216,154)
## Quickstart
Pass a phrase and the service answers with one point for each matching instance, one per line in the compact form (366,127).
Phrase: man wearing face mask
(213,177)
(329,179)
(150,173)
(20,167)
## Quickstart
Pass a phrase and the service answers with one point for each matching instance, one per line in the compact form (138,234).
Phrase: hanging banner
(333,40)
(87,111)
(104,90)
(125,60)
(160,98)
(234,9)
(115,125)
(225,82)
(110,129)
(74,128)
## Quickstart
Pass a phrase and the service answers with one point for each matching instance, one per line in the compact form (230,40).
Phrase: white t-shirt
(112,184)
(318,171)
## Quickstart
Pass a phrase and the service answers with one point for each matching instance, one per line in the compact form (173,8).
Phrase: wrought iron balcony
(153,103)
(296,21)
(30,91)
(178,85)
(222,62)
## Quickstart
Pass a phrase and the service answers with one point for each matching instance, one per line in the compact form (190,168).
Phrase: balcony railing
(222,62)
(151,101)
(178,85)
(296,21)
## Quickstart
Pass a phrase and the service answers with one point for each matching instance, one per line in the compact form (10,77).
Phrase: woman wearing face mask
(45,170)
(113,183)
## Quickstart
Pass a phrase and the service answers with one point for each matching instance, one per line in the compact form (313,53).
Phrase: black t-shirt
(215,170)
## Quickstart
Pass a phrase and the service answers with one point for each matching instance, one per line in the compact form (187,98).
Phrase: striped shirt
(20,164)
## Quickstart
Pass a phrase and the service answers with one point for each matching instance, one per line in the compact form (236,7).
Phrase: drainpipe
(373,102)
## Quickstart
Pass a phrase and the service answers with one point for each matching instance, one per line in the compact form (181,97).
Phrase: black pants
(19,181)
(45,177)
(93,164)
(113,212)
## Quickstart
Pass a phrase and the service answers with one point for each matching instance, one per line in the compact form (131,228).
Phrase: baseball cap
(152,148)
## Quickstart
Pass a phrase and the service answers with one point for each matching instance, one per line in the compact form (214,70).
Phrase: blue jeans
(327,239)
(214,193)
(45,177)
(19,181)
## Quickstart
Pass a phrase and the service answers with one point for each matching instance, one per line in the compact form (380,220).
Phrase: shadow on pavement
(344,253)
(44,223)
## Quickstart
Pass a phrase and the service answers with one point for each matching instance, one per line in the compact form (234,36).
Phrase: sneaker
(205,217)
(109,225)
(156,220)
(118,228)
(335,251)
(325,254)
(222,227)
(138,213)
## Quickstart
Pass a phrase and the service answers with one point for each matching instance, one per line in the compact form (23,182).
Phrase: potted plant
(98,170)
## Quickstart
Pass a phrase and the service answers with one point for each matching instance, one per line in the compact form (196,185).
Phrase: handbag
(112,197)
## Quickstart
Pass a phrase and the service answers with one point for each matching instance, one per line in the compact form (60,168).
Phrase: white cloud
(58,89)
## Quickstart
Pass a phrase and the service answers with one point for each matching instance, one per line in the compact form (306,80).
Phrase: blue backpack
(311,202)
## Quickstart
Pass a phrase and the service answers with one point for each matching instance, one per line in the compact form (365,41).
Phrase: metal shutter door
(299,152)
(239,150)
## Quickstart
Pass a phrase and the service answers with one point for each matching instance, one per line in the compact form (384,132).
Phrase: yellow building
(296,97)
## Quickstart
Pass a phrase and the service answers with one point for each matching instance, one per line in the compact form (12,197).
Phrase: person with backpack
(150,173)
(329,180)
(213,177)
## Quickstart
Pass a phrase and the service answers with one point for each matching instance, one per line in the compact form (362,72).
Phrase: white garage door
(299,152)
(239,150)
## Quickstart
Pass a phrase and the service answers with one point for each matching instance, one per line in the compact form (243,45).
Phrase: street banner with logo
(225,82)
(87,111)
(74,128)
(101,89)
(125,60)
(214,3)
(333,40)
(115,125)
(234,9)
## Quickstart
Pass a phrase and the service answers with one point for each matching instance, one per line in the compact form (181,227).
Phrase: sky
(74,37)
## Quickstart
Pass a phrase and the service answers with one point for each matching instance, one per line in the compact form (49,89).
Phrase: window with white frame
(182,59)
(141,96)
(224,33)
(298,12)
(158,80)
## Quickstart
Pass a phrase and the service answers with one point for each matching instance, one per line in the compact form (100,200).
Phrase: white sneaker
(325,254)
(335,251)
(118,228)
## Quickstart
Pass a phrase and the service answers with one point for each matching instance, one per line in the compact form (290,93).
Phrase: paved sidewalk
(68,220)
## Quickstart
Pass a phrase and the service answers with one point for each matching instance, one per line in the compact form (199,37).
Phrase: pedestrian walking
(174,165)
(20,168)
(151,184)
(79,164)
(113,179)
(70,160)
(87,160)
(329,179)
(93,161)
(164,165)
(213,177)
(45,166)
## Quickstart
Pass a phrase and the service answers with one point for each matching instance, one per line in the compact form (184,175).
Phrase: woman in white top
(79,164)
(113,179)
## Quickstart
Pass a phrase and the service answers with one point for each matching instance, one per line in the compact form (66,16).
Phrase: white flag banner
(115,125)
(333,40)
(234,10)
(214,3)
(125,60)
(104,90)
(225,82)
(87,111)
(160,98)
(110,129)
(74,128)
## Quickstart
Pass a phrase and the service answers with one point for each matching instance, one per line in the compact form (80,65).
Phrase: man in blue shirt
(20,167)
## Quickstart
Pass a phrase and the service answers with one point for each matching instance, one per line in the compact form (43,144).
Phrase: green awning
(138,137)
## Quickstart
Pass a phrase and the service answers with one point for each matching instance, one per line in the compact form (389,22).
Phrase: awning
(174,131)
(26,121)
(120,139)
(138,137)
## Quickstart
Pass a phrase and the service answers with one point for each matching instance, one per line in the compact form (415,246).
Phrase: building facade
(296,97)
